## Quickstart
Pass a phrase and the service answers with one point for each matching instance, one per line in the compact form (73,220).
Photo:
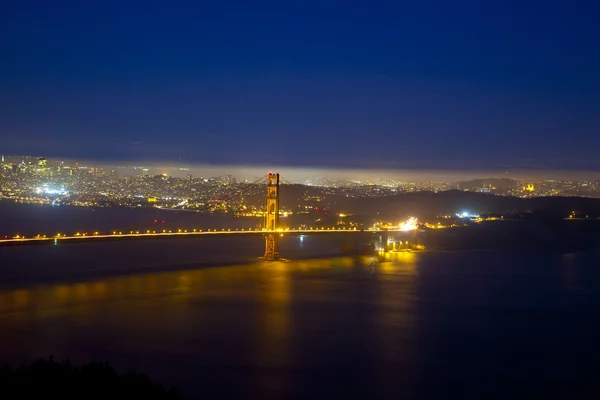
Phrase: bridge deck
(153,235)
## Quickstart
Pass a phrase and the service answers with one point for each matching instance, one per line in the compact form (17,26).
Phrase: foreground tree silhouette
(61,380)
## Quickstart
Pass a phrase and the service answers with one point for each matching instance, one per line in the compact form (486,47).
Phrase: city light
(174,194)
(410,224)
(51,190)
(467,214)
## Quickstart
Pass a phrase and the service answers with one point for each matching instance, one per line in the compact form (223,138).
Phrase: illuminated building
(408,225)
(467,215)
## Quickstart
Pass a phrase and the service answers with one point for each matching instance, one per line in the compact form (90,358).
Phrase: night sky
(383,84)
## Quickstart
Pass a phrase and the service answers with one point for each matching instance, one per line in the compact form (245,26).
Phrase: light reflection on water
(334,325)
(247,314)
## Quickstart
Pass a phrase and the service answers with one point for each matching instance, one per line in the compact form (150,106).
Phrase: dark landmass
(45,379)
(429,205)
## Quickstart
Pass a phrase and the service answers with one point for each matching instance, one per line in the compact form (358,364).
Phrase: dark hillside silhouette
(429,204)
(49,379)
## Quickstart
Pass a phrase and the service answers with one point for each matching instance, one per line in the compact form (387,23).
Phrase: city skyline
(178,168)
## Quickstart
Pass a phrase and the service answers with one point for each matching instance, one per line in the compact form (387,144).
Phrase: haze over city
(179,168)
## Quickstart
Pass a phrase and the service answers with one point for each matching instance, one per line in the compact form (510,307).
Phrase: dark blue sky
(423,84)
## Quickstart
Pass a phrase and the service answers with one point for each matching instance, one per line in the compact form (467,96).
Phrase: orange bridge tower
(272,218)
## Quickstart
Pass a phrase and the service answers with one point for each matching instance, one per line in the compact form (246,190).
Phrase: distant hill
(498,183)
(429,204)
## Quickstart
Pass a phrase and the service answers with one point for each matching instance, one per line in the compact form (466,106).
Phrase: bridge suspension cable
(184,213)
(301,195)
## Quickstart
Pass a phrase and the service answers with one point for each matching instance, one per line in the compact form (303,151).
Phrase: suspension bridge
(271,230)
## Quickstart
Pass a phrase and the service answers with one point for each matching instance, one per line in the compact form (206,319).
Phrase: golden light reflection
(404,262)
(100,288)
(152,284)
(81,291)
(395,325)
(65,299)
(61,293)
(184,282)
(274,330)
(405,257)
(21,297)
(278,289)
